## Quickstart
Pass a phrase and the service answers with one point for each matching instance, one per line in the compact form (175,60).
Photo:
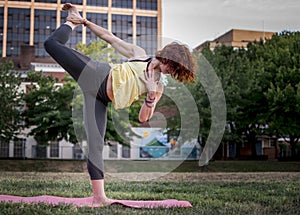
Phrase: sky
(192,22)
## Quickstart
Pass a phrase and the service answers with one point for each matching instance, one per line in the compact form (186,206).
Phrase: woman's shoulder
(141,59)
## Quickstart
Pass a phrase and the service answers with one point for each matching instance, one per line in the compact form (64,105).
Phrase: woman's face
(160,67)
(165,69)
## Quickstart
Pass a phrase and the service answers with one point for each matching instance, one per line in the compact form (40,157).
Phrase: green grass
(207,198)
(49,165)
(240,166)
(192,166)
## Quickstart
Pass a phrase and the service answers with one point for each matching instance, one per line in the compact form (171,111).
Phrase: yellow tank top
(126,83)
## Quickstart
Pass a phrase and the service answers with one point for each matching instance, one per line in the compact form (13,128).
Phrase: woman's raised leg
(71,60)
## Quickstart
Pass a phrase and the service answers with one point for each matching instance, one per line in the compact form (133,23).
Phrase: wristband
(149,101)
(149,106)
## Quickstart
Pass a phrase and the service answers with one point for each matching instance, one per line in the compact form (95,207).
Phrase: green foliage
(233,69)
(11,102)
(283,93)
(99,50)
(48,111)
(261,85)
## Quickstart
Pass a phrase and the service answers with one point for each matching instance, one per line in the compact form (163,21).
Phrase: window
(122,27)
(39,151)
(19,148)
(46,1)
(125,152)
(1,26)
(73,2)
(99,19)
(146,4)
(54,149)
(101,3)
(44,25)
(122,3)
(4,149)
(272,143)
(113,151)
(146,28)
(18,32)
(77,152)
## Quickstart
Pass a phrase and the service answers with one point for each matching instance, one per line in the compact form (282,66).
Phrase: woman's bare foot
(73,14)
(68,7)
(101,202)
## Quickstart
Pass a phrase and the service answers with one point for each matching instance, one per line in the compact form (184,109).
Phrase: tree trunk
(293,147)
(252,142)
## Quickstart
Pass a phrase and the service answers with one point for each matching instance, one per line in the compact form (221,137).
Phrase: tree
(48,109)
(252,104)
(99,50)
(261,84)
(10,105)
(234,71)
(244,80)
(281,58)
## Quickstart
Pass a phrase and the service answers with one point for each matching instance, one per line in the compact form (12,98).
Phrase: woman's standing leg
(95,119)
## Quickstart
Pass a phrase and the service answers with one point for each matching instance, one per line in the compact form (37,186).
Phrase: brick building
(236,38)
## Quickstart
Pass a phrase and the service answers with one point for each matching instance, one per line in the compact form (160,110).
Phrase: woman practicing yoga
(121,84)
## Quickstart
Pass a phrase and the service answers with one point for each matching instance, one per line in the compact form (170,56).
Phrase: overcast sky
(194,21)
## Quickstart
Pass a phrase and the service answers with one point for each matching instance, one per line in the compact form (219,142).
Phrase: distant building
(24,25)
(236,38)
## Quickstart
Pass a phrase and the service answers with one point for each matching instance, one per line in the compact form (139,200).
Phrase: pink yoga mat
(88,201)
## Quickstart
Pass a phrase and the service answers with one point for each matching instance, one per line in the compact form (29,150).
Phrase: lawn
(238,196)
(48,165)
(192,166)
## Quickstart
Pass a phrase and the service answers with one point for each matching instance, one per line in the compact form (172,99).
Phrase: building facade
(30,22)
(236,38)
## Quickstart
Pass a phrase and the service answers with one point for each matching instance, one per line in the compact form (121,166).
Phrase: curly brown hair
(179,58)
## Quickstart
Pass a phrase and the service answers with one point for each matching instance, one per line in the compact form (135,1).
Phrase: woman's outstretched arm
(126,49)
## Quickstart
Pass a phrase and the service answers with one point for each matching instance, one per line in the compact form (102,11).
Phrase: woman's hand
(154,64)
(149,81)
